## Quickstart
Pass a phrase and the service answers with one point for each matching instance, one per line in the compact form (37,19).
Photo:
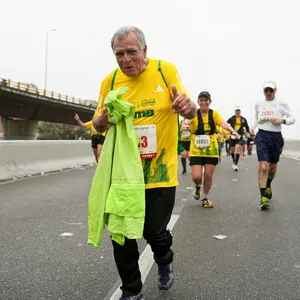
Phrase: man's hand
(76,117)
(100,123)
(182,104)
(277,121)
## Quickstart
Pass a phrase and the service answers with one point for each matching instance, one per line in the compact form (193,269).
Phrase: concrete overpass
(30,104)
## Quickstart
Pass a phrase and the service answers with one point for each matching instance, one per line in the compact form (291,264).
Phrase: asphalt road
(259,258)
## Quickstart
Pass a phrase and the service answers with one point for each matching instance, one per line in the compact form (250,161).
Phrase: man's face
(269,93)
(130,56)
(238,113)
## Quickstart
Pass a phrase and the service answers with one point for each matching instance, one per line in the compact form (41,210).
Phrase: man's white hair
(122,33)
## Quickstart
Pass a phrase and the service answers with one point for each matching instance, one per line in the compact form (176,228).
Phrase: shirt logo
(144,114)
(159,89)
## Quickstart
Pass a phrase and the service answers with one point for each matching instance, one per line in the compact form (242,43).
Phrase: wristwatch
(284,121)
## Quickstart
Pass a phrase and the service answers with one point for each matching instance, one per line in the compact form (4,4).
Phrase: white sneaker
(233,166)
(236,168)
(196,195)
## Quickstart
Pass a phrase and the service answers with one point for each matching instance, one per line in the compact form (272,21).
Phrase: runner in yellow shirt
(227,143)
(245,138)
(185,137)
(238,122)
(225,135)
(221,140)
(204,151)
(97,138)
(156,90)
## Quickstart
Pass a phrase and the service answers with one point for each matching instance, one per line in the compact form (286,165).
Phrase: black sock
(237,157)
(232,155)
(269,180)
(183,161)
(263,192)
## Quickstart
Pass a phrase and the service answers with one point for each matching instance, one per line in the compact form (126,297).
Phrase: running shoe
(196,194)
(165,277)
(206,203)
(264,204)
(136,297)
(269,193)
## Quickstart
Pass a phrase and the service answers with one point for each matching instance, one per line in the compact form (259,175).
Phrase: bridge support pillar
(15,129)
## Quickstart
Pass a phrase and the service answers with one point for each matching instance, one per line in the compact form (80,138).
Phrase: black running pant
(227,146)
(159,207)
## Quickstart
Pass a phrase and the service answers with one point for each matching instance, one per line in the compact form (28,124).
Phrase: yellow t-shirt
(219,129)
(223,134)
(220,136)
(153,100)
(89,125)
(185,135)
(221,139)
(213,149)
(226,134)
(238,123)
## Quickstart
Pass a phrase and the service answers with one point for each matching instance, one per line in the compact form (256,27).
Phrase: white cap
(270,84)
(237,108)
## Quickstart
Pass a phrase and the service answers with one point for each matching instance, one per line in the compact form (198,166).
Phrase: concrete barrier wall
(19,159)
(292,149)
(292,145)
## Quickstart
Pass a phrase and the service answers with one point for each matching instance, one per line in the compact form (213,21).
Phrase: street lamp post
(46,59)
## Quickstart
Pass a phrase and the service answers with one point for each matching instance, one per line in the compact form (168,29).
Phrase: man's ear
(145,51)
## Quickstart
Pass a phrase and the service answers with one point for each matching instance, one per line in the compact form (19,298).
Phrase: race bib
(267,114)
(147,145)
(202,141)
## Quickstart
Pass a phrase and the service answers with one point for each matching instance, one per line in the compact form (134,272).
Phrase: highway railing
(32,89)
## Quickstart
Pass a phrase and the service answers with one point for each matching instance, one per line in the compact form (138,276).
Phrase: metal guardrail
(32,89)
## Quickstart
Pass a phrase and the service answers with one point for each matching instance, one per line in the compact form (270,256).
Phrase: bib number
(202,141)
(267,114)
(147,145)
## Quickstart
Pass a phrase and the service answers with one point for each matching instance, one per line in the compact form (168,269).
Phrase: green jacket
(117,195)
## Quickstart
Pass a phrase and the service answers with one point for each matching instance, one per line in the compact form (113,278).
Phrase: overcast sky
(229,48)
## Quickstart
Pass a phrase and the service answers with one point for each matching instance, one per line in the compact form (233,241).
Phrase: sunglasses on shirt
(266,90)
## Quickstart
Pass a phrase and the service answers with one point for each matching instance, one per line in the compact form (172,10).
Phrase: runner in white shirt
(270,113)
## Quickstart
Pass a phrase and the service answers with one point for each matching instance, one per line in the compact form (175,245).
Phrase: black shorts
(234,142)
(186,145)
(250,141)
(269,146)
(203,160)
(97,139)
